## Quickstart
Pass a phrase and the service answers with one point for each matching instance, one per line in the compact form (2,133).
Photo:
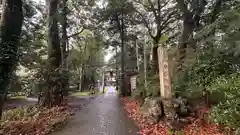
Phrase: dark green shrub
(227,112)
(151,89)
(194,79)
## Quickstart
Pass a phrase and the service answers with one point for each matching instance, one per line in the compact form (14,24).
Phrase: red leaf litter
(197,127)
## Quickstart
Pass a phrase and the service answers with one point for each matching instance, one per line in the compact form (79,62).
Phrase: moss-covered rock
(152,109)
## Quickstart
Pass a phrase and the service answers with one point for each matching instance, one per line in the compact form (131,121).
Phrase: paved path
(103,116)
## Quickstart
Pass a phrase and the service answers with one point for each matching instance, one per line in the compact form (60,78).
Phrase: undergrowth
(30,120)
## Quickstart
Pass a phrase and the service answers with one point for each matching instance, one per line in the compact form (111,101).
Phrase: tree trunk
(123,89)
(145,66)
(64,33)
(82,71)
(11,26)
(54,95)
(188,27)
(127,85)
(155,58)
(64,47)
(151,53)
(190,23)
(80,79)
(137,56)
(120,24)
(116,52)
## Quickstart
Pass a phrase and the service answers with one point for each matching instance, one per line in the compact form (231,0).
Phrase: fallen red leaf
(40,124)
(195,128)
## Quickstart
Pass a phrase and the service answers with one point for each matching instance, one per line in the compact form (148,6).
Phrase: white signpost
(164,77)
(133,83)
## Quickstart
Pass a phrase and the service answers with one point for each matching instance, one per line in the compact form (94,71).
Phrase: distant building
(110,77)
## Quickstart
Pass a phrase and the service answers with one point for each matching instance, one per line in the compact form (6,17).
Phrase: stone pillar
(164,76)
(165,86)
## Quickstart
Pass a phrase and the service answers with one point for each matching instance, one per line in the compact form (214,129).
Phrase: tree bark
(123,88)
(188,27)
(190,23)
(82,71)
(154,63)
(120,24)
(116,52)
(145,66)
(53,96)
(137,56)
(155,58)
(80,77)
(64,48)
(64,34)
(11,27)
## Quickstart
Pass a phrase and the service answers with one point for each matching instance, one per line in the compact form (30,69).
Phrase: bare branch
(168,19)
(75,34)
(146,24)
(165,4)
(145,6)
(153,10)
(167,30)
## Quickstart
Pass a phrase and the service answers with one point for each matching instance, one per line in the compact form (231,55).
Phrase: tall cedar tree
(64,46)
(53,95)
(164,15)
(11,27)
(191,21)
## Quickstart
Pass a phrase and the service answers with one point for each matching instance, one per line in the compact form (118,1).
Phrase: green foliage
(206,68)
(163,39)
(218,55)
(216,69)
(151,89)
(140,87)
(86,60)
(227,112)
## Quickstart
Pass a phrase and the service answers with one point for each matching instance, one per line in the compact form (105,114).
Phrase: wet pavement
(104,115)
(79,102)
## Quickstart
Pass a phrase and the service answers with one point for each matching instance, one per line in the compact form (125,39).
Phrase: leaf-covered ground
(197,126)
(21,122)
